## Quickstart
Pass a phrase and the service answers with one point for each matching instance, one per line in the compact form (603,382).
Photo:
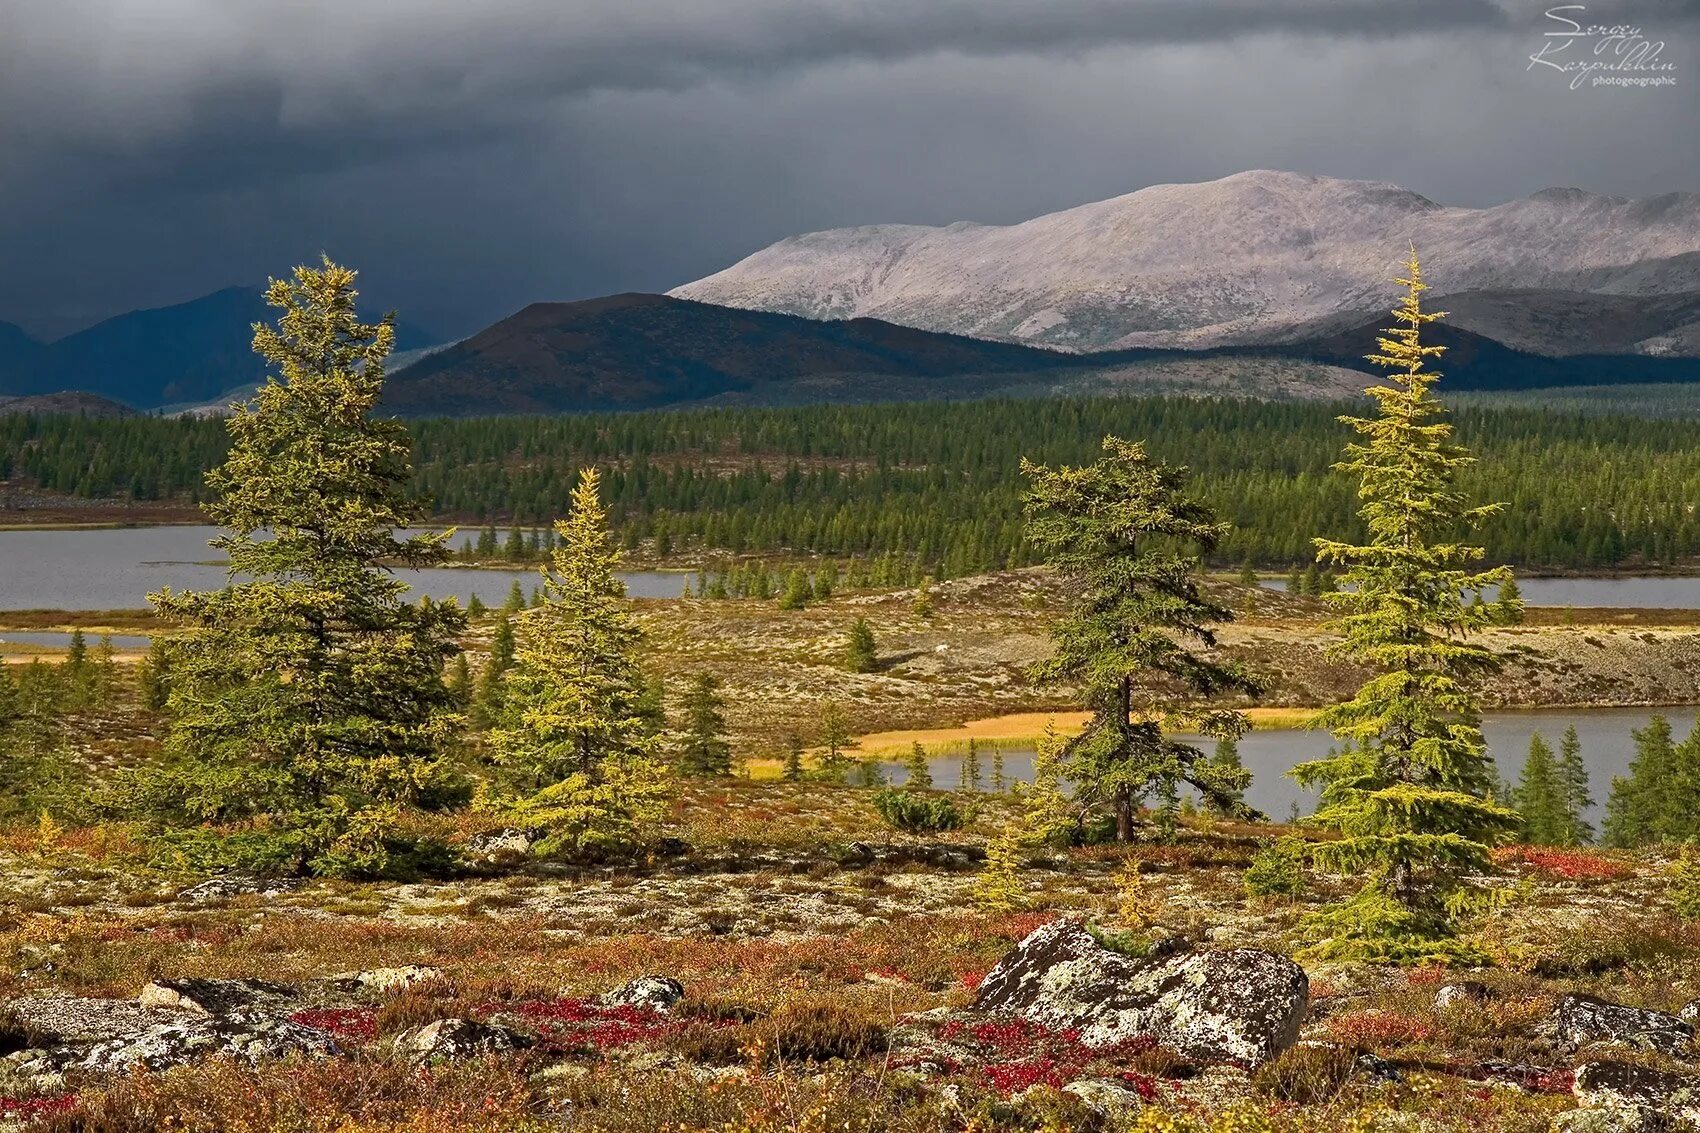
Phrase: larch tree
(308,695)
(1127,537)
(1408,791)
(577,731)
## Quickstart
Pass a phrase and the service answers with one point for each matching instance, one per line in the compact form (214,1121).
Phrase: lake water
(1653,592)
(116,568)
(57,640)
(1605,734)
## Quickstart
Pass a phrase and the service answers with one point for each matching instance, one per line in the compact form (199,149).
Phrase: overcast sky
(471,157)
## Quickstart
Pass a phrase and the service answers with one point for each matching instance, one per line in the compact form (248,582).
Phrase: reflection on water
(1643,593)
(1605,734)
(115,569)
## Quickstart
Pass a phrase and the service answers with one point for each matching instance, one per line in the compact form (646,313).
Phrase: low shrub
(1685,885)
(917,813)
(1306,1074)
(1277,870)
(819,1031)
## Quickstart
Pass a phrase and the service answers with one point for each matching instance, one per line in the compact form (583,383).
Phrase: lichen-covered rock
(192,1038)
(1465,991)
(661,993)
(498,848)
(66,1020)
(238,885)
(1109,1097)
(384,980)
(1241,1005)
(1606,1085)
(1612,1119)
(1579,1020)
(222,998)
(454,1040)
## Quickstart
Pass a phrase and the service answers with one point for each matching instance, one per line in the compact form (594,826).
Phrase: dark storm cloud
(474,155)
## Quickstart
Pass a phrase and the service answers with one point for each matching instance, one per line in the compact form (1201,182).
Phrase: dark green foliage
(309,696)
(1408,794)
(917,812)
(1543,799)
(936,483)
(969,780)
(1226,760)
(1659,800)
(1573,774)
(703,749)
(861,652)
(798,592)
(793,772)
(1126,536)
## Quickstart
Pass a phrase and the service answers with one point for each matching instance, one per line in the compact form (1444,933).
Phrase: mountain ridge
(1242,258)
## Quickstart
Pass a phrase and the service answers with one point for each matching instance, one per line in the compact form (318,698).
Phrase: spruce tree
(308,694)
(1541,799)
(1408,793)
(918,773)
(922,604)
(1226,760)
(797,590)
(998,781)
(969,780)
(1126,537)
(703,749)
(575,729)
(793,772)
(1635,811)
(1573,774)
(861,654)
(834,738)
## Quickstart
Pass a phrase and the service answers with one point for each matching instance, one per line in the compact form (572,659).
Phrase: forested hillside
(939,482)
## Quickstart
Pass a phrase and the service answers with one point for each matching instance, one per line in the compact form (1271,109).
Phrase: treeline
(938,482)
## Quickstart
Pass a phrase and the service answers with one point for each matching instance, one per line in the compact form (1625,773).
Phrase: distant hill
(186,353)
(650,351)
(641,351)
(20,356)
(1252,258)
(64,402)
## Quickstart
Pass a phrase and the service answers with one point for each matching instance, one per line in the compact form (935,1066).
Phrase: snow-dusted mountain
(1258,256)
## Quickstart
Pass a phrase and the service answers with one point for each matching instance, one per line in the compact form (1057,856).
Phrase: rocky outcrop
(222,998)
(1580,1020)
(238,885)
(455,1040)
(164,1045)
(659,993)
(382,981)
(1242,1005)
(1622,1097)
(497,849)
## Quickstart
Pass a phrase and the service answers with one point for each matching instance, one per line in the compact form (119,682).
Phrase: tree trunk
(1124,815)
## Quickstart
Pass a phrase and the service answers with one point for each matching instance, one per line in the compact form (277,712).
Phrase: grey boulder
(661,993)
(219,998)
(455,1040)
(1627,1096)
(1579,1020)
(190,1039)
(1242,1005)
